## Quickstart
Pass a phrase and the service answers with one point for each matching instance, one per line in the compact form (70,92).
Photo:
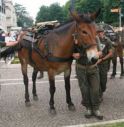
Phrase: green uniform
(106,45)
(122,36)
(88,78)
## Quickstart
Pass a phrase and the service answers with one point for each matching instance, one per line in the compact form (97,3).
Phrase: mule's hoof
(71,107)
(28,104)
(121,76)
(35,98)
(52,111)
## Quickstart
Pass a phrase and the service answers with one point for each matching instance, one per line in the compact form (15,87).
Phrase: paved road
(13,112)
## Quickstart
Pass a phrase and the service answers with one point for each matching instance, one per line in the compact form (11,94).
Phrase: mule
(118,53)
(54,53)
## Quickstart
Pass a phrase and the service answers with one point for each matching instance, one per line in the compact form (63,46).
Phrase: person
(122,35)
(89,82)
(103,62)
(9,41)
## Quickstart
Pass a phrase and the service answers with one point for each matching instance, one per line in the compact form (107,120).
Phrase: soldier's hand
(99,61)
(100,54)
(76,55)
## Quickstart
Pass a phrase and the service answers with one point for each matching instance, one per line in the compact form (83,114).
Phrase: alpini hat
(100,29)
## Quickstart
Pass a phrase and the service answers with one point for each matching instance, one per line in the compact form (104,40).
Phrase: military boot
(97,114)
(88,113)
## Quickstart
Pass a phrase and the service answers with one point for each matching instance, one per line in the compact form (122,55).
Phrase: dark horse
(118,53)
(54,53)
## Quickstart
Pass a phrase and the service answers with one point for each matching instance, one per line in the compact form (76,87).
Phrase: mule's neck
(66,32)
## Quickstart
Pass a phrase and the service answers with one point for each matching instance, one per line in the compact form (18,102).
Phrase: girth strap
(49,57)
(59,59)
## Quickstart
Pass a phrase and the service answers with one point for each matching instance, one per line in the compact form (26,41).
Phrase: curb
(98,123)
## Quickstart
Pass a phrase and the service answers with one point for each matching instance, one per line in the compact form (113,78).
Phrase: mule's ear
(74,15)
(96,14)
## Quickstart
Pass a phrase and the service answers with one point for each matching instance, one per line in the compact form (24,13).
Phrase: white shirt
(9,38)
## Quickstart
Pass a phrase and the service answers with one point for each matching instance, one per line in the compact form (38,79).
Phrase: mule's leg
(52,90)
(122,67)
(114,61)
(34,92)
(67,88)
(25,79)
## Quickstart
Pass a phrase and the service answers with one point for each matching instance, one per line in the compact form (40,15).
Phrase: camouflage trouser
(103,69)
(89,82)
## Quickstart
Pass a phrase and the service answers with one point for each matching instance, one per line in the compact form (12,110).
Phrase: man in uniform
(89,83)
(103,63)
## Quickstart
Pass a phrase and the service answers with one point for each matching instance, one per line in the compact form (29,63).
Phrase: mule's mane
(65,26)
(84,18)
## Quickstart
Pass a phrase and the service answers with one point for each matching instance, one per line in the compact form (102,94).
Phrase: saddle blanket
(29,37)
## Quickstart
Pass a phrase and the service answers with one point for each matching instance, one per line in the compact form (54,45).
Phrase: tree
(108,16)
(53,12)
(43,14)
(84,6)
(56,12)
(23,18)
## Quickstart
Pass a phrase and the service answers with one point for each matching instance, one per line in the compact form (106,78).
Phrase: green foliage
(15,61)
(23,18)
(43,14)
(53,12)
(56,12)
(111,125)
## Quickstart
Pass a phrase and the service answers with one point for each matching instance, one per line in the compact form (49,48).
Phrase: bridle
(76,36)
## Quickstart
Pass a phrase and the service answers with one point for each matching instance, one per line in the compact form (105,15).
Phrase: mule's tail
(10,50)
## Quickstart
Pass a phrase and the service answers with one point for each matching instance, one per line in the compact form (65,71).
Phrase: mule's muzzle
(94,60)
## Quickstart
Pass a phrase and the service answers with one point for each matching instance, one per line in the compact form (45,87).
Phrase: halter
(76,36)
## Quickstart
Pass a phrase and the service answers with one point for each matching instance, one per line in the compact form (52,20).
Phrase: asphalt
(14,113)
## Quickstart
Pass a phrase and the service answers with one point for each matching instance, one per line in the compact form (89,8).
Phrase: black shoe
(88,114)
(98,115)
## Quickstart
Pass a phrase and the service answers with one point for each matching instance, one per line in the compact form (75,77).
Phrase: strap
(59,59)
(86,66)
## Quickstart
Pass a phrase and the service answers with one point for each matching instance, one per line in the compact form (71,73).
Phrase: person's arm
(110,52)
(76,55)
(11,43)
(98,43)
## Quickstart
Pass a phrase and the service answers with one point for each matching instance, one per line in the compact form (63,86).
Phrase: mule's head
(86,33)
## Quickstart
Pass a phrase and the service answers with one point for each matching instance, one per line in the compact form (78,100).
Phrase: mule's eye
(84,32)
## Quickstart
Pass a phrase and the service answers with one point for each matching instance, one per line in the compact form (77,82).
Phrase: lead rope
(75,36)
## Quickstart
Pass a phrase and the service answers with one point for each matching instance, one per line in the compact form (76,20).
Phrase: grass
(15,61)
(111,125)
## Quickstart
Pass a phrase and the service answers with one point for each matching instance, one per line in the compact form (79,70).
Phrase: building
(2,16)
(11,19)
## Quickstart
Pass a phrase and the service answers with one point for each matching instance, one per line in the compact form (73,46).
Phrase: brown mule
(54,53)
